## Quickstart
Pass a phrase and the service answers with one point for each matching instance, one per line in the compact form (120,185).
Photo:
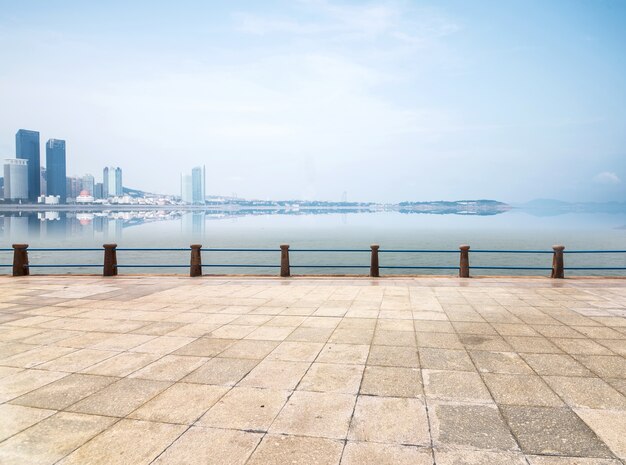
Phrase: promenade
(261,371)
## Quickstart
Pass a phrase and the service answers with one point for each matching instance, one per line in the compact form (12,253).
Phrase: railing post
(195,267)
(558,271)
(20,260)
(374,268)
(284,261)
(110,260)
(464,270)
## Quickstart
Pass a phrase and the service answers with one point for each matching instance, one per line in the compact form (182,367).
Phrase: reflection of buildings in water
(54,225)
(193,223)
(112,229)
(16,228)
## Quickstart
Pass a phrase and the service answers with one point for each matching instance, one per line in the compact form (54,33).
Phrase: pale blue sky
(389,101)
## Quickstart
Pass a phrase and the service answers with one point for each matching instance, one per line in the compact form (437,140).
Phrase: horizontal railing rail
(110,266)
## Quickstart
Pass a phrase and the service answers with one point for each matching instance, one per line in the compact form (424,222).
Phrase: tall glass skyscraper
(198,184)
(112,182)
(27,148)
(56,172)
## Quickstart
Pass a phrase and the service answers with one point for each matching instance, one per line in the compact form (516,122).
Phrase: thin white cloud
(607,177)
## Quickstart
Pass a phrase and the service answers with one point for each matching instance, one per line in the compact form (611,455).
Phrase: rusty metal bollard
(20,260)
(284,261)
(558,270)
(195,267)
(110,260)
(374,268)
(464,268)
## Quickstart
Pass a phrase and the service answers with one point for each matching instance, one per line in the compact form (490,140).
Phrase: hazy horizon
(387,101)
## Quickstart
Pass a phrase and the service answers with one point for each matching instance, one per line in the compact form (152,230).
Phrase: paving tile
(128,441)
(478,457)
(51,439)
(393,356)
(605,366)
(276,375)
(232,331)
(556,364)
(484,342)
(36,356)
(500,362)
(344,353)
(458,386)
(296,351)
(16,418)
(294,450)
(310,334)
(521,390)
(586,392)
(163,345)
(394,338)
(221,371)
(390,420)
(317,414)
(438,340)
(77,360)
(553,431)
(120,398)
(545,460)
(270,333)
(471,426)
(391,382)
(205,347)
(181,403)
(352,336)
(610,426)
(169,368)
(60,394)
(25,381)
(254,350)
(532,345)
(332,377)
(370,453)
(580,346)
(246,408)
(445,359)
(121,342)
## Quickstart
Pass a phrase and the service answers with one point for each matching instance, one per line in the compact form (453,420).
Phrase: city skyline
(310,99)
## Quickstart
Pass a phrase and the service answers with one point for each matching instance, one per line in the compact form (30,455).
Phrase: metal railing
(110,265)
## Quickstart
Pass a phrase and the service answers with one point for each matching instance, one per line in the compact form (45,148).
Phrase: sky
(386,101)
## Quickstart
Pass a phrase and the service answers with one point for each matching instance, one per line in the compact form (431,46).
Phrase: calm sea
(514,230)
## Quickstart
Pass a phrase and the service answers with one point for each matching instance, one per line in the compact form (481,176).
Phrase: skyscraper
(16,179)
(56,169)
(112,182)
(119,188)
(186,189)
(27,148)
(89,184)
(198,177)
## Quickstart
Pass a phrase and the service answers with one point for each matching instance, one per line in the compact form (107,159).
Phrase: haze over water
(513,230)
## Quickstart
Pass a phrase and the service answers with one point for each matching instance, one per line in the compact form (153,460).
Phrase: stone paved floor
(167,370)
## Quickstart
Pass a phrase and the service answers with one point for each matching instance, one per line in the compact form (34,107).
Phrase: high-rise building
(56,169)
(198,177)
(112,182)
(186,189)
(43,182)
(89,184)
(97,191)
(27,148)
(119,188)
(73,186)
(16,179)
